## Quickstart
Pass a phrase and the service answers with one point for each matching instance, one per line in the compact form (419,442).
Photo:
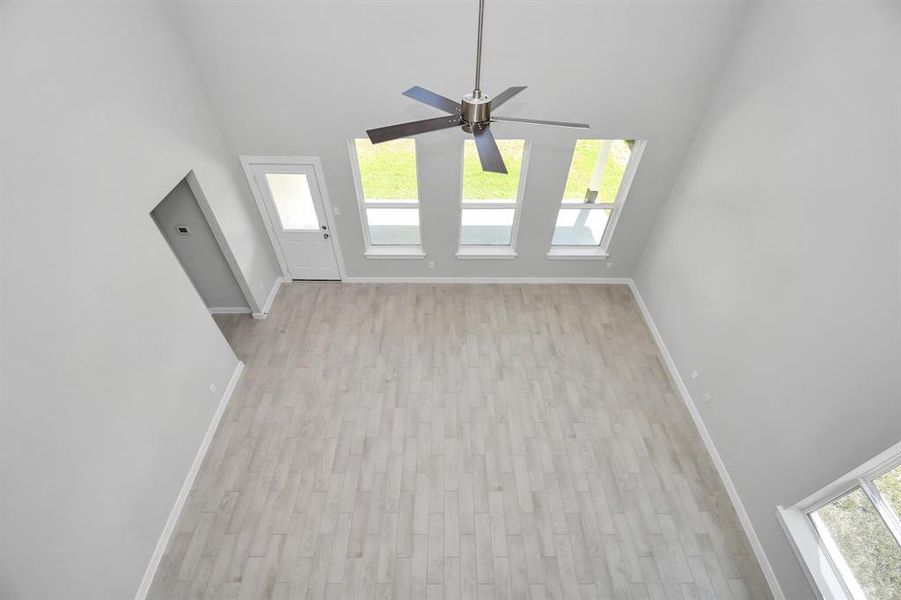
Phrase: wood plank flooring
(455,441)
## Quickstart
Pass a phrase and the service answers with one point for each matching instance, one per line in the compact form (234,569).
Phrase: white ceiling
(300,78)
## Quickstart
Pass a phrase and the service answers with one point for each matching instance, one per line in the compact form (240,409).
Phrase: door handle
(325,236)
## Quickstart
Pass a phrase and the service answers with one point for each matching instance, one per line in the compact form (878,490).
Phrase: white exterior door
(297,219)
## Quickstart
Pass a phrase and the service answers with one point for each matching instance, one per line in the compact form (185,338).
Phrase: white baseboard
(157,555)
(228,310)
(264,312)
(743,517)
(521,280)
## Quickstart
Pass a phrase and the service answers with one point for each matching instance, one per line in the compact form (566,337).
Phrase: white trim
(743,517)
(820,573)
(615,208)
(827,571)
(577,253)
(509,280)
(516,205)
(272,294)
(247,164)
(624,186)
(169,528)
(379,252)
(486,252)
(228,310)
(376,203)
(373,250)
(209,215)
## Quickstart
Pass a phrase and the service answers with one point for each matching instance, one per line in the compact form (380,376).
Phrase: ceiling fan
(472,113)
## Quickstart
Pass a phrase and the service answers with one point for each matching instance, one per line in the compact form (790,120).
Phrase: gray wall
(198,252)
(774,269)
(107,349)
(301,78)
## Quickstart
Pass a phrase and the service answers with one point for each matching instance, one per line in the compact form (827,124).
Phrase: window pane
(596,171)
(861,538)
(889,485)
(487,227)
(492,187)
(388,170)
(393,226)
(580,226)
(293,201)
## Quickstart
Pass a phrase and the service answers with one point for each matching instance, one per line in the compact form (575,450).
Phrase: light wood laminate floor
(455,441)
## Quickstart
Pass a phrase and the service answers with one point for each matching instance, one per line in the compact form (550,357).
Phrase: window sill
(486,252)
(572,252)
(402,252)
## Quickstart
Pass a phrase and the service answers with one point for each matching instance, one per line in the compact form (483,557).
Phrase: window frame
(376,251)
(486,251)
(812,549)
(601,250)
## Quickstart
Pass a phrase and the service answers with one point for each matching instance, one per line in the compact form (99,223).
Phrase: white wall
(197,250)
(107,349)
(301,78)
(774,269)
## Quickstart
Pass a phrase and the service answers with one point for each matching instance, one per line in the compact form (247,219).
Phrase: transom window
(388,193)
(491,201)
(599,177)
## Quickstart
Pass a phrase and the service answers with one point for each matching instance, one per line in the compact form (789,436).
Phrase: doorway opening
(189,227)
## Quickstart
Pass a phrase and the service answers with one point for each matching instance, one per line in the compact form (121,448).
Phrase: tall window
(848,535)
(491,202)
(599,178)
(861,532)
(388,192)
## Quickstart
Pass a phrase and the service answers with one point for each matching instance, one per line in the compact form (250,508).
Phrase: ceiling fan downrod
(476,92)
(475,108)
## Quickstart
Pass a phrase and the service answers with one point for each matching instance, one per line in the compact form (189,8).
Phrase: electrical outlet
(212,388)
(695,374)
(609,265)
(707,397)
(431,264)
(336,211)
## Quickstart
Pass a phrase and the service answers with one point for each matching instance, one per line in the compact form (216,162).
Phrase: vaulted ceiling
(302,78)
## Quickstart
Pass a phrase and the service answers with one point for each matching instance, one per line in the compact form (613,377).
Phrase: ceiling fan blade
(506,95)
(432,99)
(393,132)
(538,122)
(489,153)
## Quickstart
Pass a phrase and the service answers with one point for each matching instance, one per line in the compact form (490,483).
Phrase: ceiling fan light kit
(472,114)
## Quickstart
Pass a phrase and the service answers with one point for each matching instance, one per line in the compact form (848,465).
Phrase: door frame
(247,164)
(209,215)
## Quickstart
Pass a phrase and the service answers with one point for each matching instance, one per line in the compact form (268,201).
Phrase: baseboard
(264,312)
(743,517)
(514,280)
(228,310)
(157,555)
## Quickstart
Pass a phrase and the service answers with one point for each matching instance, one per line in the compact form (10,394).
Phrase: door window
(293,201)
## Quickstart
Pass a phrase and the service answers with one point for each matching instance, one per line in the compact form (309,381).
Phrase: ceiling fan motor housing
(475,109)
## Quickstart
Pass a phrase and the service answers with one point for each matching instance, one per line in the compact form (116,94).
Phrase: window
(293,201)
(490,205)
(599,177)
(388,191)
(854,550)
